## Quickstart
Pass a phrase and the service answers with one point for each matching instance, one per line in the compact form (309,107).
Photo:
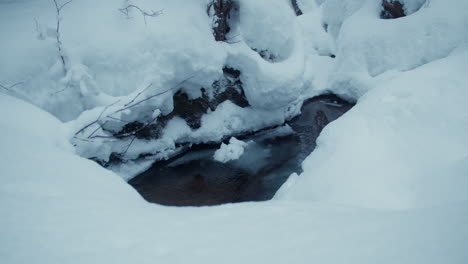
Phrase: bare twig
(92,141)
(152,96)
(128,146)
(8,88)
(97,120)
(62,90)
(129,134)
(144,13)
(58,9)
(118,119)
(142,91)
(97,129)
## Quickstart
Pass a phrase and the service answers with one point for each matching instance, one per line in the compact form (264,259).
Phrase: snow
(434,32)
(386,184)
(231,151)
(403,145)
(60,208)
(126,64)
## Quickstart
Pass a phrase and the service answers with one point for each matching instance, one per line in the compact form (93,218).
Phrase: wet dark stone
(192,110)
(392,9)
(140,130)
(195,178)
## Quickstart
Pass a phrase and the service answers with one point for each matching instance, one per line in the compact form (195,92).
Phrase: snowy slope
(403,145)
(59,208)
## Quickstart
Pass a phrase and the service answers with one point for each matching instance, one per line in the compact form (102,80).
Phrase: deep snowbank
(403,145)
(367,46)
(60,208)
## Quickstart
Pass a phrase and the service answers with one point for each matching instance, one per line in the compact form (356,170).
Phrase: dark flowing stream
(196,179)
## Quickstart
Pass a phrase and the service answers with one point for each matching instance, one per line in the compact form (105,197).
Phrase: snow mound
(260,30)
(61,201)
(432,33)
(403,145)
(231,151)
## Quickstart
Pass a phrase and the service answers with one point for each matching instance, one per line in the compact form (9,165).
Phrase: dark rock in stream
(196,179)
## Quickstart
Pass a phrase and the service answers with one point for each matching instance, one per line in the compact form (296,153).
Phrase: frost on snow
(231,151)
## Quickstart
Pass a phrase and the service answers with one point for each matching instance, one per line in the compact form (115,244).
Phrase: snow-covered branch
(102,116)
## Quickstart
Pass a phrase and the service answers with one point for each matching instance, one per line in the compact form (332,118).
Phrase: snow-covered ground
(386,184)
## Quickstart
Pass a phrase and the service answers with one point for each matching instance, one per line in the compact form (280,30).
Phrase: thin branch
(92,141)
(97,120)
(146,99)
(8,88)
(58,9)
(63,89)
(142,91)
(144,13)
(128,146)
(129,134)
(118,119)
(96,130)
(152,96)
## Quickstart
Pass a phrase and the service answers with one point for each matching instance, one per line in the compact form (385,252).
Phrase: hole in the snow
(392,9)
(196,179)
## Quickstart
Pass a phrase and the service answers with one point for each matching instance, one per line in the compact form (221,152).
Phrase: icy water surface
(196,179)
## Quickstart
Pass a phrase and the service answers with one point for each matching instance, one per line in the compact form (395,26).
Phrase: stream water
(195,178)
